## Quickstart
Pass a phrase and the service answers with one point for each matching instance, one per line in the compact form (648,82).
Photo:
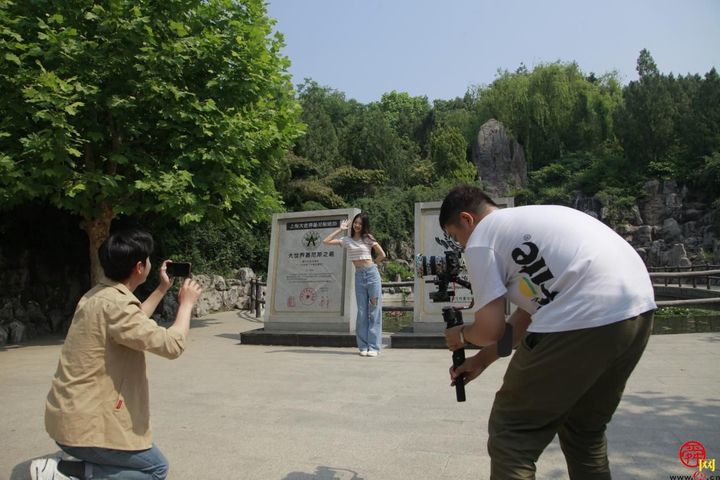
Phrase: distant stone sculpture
(500,159)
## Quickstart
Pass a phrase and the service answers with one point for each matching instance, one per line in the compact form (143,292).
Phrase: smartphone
(178,269)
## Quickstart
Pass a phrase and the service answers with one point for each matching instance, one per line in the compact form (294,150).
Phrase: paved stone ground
(225,410)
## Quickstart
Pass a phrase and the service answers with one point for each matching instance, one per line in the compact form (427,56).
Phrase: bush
(392,269)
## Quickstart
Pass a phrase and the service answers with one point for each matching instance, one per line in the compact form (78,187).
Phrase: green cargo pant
(565,383)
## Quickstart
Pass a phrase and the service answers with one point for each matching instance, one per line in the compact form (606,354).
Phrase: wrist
(186,305)
(462,335)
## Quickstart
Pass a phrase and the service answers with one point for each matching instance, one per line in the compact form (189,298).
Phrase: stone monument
(431,240)
(310,286)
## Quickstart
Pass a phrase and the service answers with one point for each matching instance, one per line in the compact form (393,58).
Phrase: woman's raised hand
(344,224)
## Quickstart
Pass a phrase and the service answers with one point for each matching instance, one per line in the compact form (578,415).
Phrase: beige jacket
(99,396)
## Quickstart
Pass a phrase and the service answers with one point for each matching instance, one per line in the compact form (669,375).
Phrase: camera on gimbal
(446,270)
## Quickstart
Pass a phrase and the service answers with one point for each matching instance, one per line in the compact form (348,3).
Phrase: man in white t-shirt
(584,314)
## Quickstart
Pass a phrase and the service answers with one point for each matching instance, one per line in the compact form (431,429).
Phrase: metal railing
(687,277)
(255,301)
(397,308)
(690,274)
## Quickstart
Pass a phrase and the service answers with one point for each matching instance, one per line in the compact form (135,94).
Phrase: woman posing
(368,289)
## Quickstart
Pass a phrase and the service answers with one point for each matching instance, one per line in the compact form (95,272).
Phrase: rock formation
(500,159)
(666,229)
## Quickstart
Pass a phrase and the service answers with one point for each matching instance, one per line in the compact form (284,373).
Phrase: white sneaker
(46,469)
(372,353)
(363,353)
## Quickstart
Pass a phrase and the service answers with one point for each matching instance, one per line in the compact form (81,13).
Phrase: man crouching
(98,408)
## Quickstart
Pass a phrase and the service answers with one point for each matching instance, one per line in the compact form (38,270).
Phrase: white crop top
(358,249)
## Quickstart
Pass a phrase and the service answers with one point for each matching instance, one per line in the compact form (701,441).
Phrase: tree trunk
(97,230)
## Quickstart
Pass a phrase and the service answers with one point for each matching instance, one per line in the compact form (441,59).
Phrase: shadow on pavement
(231,336)
(324,473)
(21,471)
(246,315)
(713,339)
(310,350)
(44,341)
(655,418)
(197,323)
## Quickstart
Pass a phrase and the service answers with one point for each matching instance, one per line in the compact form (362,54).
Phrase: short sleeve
(486,275)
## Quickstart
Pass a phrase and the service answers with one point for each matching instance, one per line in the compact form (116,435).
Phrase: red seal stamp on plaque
(307,296)
(691,453)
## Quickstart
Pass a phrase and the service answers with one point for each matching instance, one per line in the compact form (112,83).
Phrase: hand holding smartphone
(178,269)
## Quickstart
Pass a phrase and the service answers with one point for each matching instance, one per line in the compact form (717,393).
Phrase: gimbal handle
(453,318)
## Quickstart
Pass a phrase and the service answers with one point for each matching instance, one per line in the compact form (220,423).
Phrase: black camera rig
(446,270)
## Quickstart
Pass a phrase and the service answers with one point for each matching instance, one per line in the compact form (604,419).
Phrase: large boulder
(678,256)
(652,207)
(499,158)
(18,331)
(671,231)
(589,205)
(245,274)
(643,236)
(56,319)
(219,283)
(234,298)
(167,310)
(6,312)
(661,201)
(210,301)
(658,255)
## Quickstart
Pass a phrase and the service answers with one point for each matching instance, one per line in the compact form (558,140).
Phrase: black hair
(464,198)
(365,229)
(122,250)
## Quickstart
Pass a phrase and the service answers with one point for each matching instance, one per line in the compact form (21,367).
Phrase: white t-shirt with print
(564,267)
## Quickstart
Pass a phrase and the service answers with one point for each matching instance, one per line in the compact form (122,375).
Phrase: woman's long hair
(365,229)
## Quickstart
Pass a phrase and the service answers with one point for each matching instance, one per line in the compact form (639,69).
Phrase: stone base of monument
(402,339)
(298,339)
(408,338)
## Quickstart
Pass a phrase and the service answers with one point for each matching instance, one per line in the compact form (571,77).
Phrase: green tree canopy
(178,108)
(409,116)
(324,111)
(646,121)
(552,109)
(372,143)
(448,152)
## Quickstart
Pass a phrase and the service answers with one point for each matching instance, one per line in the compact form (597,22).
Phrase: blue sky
(438,48)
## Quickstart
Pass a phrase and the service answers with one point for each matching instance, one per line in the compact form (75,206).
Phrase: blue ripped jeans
(368,293)
(107,463)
